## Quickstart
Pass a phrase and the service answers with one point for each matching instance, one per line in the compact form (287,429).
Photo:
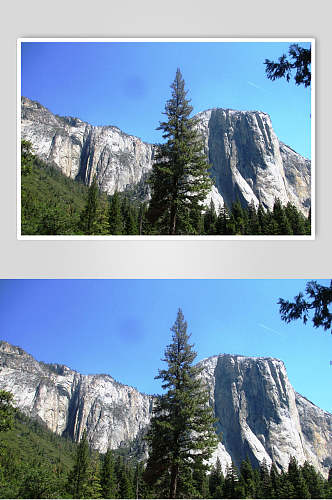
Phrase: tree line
(35,463)
(53,204)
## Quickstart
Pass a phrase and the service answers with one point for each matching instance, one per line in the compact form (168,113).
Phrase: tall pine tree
(180,180)
(182,434)
(79,475)
(94,216)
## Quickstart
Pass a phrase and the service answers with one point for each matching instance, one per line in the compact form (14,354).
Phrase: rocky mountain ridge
(247,159)
(259,413)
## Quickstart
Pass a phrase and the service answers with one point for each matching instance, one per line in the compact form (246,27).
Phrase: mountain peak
(247,160)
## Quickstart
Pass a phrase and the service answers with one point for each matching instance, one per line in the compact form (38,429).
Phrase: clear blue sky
(121,327)
(127,84)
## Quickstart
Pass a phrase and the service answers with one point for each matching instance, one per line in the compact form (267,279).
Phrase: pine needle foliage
(180,180)
(182,435)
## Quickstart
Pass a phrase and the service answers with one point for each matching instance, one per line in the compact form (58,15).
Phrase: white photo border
(312,236)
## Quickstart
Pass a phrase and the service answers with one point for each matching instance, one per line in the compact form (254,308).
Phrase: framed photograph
(207,138)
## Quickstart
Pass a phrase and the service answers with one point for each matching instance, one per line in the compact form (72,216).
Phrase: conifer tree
(216,481)
(253,221)
(27,157)
(314,481)
(248,478)
(297,221)
(276,486)
(210,219)
(222,219)
(182,434)
(265,486)
(232,486)
(108,480)
(179,178)
(93,487)
(280,217)
(7,411)
(295,477)
(115,216)
(94,216)
(126,487)
(78,477)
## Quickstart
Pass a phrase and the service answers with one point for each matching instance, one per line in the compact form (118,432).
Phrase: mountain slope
(247,160)
(259,414)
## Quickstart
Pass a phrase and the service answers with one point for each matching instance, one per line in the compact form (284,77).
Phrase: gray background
(162,259)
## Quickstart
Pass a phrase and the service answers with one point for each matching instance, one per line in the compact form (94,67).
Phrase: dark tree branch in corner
(318,298)
(300,60)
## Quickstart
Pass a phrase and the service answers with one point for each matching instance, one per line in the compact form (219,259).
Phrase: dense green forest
(53,204)
(36,463)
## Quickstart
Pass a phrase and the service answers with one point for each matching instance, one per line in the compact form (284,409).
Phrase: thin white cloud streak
(256,86)
(268,329)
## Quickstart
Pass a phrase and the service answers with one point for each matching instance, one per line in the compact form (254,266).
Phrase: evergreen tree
(27,157)
(238,218)
(216,481)
(116,222)
(94,217)
(7,411)
(253,220)
(265,486)
(280,217)
(182,433)
(179,178)
(232,486)
(314,481)
(141,488)
(318,298)
(296,219)
(299,59)
(221,224)
(93,486)
(295,477)
(247,478)
(210,219)
(78,477)
(126,487)
(108,479)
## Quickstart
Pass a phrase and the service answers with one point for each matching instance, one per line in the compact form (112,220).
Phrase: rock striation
(250,163)
(259,413)
(247,160)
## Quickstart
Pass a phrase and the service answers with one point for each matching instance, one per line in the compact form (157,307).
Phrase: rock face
(248,161)
(259,414)
(81,150)
(262,417)
(68,402)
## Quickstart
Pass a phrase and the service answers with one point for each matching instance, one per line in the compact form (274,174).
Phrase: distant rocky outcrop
(248,162)
(259,413)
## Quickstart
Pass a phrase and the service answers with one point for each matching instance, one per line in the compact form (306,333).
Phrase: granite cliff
(247,159)
(259,413)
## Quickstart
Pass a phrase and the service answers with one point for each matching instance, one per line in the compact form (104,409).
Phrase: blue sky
(127,84)
(121,327)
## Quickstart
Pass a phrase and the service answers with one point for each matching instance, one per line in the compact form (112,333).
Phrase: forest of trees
(36,463)
(53,204)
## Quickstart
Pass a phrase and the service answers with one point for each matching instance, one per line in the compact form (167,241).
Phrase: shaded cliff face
(248,161)
(259,414)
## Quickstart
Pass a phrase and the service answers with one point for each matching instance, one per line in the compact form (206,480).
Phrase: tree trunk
(174,481)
